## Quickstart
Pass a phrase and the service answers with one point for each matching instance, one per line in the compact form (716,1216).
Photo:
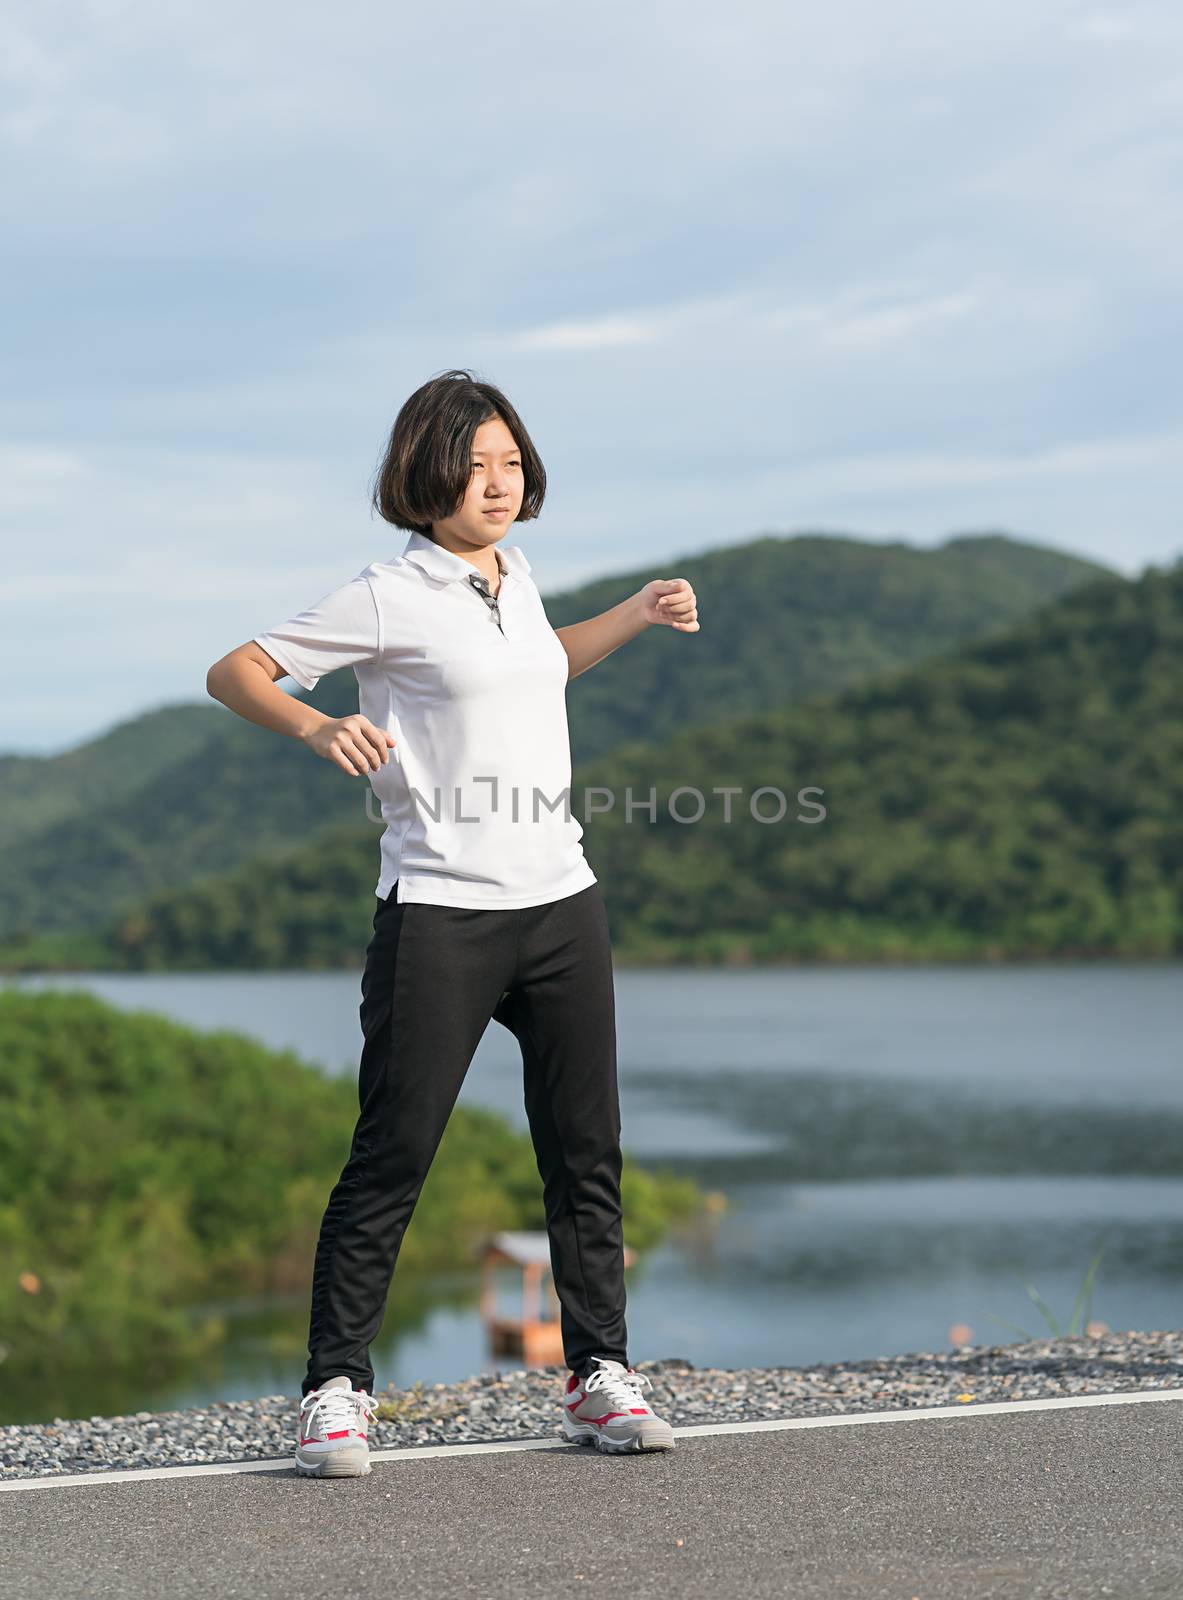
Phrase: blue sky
(891,271)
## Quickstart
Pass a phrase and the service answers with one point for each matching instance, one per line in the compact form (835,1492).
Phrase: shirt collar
(446,564)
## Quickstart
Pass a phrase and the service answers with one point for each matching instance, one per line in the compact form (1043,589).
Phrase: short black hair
(427,464)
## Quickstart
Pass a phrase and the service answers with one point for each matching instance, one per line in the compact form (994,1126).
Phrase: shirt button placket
(481,584)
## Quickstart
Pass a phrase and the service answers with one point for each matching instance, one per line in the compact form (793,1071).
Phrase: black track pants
(434,976)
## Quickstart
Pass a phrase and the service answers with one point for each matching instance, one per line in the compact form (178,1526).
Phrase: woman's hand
(670,600)
(353,743)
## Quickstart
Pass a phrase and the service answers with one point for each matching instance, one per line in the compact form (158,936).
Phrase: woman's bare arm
(245,681)
(590,641)
(665,600)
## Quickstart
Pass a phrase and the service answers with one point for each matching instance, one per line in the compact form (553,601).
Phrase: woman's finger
(356,751)
(374,742)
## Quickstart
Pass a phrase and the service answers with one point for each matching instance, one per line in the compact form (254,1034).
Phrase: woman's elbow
(213,679)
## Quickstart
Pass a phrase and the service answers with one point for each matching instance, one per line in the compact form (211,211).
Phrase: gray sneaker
(608,1410)
(332,1431)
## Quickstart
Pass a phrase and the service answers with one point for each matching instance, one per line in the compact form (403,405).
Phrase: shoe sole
(655,1435)
(345,1463)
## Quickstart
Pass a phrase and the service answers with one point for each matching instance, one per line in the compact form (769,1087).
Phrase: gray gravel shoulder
(523,1404)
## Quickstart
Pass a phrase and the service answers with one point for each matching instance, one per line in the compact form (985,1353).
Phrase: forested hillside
(1021,796)
(147,1167)
(38,791)
(787,618)
(181,796)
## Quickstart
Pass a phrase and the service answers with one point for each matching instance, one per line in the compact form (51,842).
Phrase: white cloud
(894,270)
(842,323)
(36,478)
(858,317)
(890,474)
(589,333)
(622,330)
(1105,27)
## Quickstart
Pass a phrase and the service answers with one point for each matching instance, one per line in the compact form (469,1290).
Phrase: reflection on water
(849,1126)
(901,1149)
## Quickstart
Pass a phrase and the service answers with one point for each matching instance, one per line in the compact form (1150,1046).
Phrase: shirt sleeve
(344,629)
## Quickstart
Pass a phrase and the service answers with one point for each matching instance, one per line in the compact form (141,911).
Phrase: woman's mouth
(498,511)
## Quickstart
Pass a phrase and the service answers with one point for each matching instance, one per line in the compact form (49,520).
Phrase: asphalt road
(1029,1505)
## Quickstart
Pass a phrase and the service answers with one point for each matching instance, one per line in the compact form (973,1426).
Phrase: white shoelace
(336,1409)
(620,1388)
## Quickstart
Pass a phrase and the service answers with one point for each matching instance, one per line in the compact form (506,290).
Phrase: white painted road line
(851,1419)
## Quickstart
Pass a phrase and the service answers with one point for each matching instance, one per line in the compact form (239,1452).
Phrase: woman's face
(496,481)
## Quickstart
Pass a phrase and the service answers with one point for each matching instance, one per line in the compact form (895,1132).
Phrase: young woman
(487,907)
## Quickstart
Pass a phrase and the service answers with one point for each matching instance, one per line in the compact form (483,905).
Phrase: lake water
(900,1149)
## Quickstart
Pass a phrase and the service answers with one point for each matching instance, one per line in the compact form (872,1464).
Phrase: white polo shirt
(475,794)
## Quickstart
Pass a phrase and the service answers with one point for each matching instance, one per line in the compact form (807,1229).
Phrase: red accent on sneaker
(639,1411)
(607,1417)
(572,1382)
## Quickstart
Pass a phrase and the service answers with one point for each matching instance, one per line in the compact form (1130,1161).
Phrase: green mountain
(783,618)
(37,792)
(1020,796)
(180,797)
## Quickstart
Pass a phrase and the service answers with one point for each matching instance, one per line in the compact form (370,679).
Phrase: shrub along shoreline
(147,1167)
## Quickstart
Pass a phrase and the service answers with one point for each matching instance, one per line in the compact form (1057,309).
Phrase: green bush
(145,1166)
